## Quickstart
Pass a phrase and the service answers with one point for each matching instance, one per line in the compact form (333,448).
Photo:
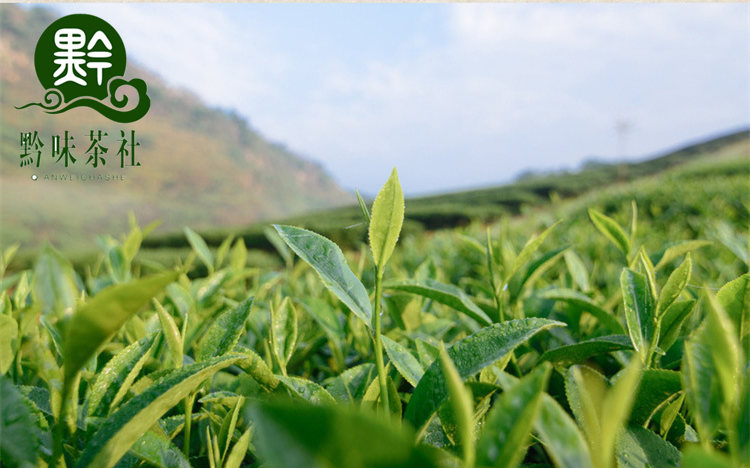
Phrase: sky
(454,95)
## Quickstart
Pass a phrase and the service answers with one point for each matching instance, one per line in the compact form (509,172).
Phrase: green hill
(200,166)
(727,155)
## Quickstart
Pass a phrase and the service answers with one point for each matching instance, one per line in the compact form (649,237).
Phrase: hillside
(727,154)
(199,166)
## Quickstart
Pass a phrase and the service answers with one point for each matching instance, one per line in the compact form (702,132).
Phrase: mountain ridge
(201,166)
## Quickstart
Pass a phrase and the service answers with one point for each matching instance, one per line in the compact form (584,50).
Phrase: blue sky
(454,95)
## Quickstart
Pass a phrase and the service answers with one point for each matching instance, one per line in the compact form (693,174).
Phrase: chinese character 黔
(71,58)
(30,143)
(69,41)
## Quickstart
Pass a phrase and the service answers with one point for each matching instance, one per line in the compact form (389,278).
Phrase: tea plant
(477,347)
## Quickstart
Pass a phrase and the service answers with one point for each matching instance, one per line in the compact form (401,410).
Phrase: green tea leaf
(350,385)
(283,331)
(446,294)
(639,312)
(741,424)
(362,206)
(278,244)
(463,407)
(324,436)
(405,362)
(115,379)
(427,353)
(611,230)
(387,218)
(94,322)
(325,316)
(471,355)
(307,390)
(224,331)
(158,451)
(237,454)
(124,427)
(698,457)
(575,353)
(674,285)
(8,335)
(328,261)
(20,441)
(670,413)
(577,270)
(649,272)
(617,406)
(678,250)
(725,350)
(171,333)
(256,367)
(734,297)
(200,248)
(584,302)
(532,245)
(221,252)
(558,432)
(53,285)
(701,386)
(640,448)
(672,321)
(228,426)
(508,424)
(238,255)
(656,387)
(371,398)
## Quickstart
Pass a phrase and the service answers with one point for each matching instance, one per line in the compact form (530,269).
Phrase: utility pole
(622,127)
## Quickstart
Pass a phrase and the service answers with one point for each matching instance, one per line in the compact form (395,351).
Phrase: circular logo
(78,55)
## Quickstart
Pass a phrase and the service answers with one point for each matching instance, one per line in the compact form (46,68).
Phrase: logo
(80,61)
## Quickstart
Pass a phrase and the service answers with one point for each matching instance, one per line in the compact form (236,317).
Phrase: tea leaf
(532,245)
(405,362)
(307,390)
(679,250)
(171,333)
(8,334)
(462,404)
(124,427)
(387,218)
(200,248)
(114,381)
(224,331)
(640,448)
(324,436)
(237,454)
(446,294)
(583,302)
(571,354)
(19,444)
(558,432)
(53,285)
(639,313)
(506,430)
(674,285)
(471,355)
(94,322)
(734,297)
(611,230)
(672,321)
(328,261)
